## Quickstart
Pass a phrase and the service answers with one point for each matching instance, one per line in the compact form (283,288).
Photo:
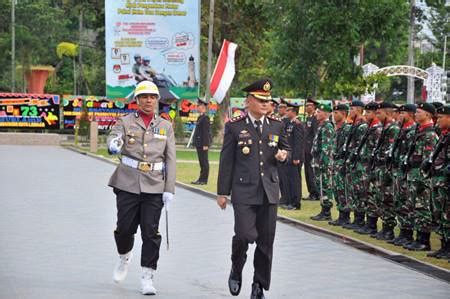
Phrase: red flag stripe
(220,67)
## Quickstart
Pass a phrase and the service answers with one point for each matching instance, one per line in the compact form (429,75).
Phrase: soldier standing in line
(295,134)
(437,166)
(253,144)
(201,141)
(362,155)
(311,125)
(420,193)
(355,174)
(342,128)
(403,207)
(322,152)
(283,167)
(143,182)
(385,180)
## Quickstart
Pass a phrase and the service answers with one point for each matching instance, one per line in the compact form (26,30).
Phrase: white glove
(115,145)
(167,198)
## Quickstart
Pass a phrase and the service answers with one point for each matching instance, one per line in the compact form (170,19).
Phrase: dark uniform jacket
(201,133)
(248,167)
(311,125)
(295,136)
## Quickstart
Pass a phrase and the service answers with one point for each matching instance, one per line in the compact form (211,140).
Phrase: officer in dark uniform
(295,134)
(253,144)
(201,141)
(311,126)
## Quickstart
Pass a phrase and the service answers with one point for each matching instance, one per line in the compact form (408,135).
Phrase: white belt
(142,166)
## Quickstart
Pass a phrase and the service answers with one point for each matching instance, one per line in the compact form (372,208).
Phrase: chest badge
(131,141)
(246,150)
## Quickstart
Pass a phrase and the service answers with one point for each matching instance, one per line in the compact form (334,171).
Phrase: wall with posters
(33,111)
(156,40)
(99,109)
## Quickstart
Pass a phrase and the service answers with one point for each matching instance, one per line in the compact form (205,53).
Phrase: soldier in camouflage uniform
(322,151)
(437,166)
(420,193)
(362,156)
(385,181)
(354,176)
(340,113)
(402,206)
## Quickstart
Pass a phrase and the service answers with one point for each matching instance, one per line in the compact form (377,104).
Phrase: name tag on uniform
(160,133)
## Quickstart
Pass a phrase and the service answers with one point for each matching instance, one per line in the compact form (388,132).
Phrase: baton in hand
(167,227)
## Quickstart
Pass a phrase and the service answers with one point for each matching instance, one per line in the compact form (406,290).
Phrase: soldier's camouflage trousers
(340,188)
(420,196)
(386,188)
(441,205)
(324,180)
(373,194)
(358,183)
(403,206)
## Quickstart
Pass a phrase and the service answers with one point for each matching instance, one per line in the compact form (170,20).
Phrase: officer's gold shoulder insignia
(237,118)
(273,117)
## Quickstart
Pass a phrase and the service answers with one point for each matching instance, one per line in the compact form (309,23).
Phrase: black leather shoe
(234,282)
(195,182)
(257,291)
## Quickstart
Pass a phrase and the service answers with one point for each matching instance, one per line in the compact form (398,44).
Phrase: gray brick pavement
(57,217)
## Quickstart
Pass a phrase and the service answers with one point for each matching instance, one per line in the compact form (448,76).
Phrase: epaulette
(237,118)
(274,117)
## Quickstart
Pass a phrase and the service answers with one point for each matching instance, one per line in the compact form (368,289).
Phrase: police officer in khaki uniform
(143,182)
(252,146)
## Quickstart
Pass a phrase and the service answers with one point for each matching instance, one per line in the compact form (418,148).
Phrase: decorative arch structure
(403,70)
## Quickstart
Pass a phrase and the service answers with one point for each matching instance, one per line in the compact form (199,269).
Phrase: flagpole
(210,41)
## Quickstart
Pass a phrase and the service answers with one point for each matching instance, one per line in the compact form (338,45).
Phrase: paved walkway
(56,241)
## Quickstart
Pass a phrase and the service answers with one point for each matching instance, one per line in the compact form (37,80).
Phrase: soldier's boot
(440,251)
(379,235)
(423,243)
(370,227)
(446,253)
(338,221)
(345,218)
(389,234)
(407,238)
(412,242)
(324,215)
(354,224)
(398,238)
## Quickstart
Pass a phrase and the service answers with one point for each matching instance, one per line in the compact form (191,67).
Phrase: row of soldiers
(379,161)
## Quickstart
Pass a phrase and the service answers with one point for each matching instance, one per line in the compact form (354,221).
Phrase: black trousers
(204,164)
(309,175)
(284,184)
(295,184)
(254,223)
(142,210)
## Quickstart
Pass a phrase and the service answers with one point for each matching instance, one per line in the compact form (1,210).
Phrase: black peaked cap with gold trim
(260,89)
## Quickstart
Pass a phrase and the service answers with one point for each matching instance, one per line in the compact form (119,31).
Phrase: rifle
(412,146)
(426,164)
(375,151)
(355,156)
(344,154)
(390,157)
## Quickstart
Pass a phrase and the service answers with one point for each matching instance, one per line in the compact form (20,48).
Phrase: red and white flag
(223,72)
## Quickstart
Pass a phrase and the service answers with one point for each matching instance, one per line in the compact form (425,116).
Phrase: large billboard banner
(157,40)
(29,111)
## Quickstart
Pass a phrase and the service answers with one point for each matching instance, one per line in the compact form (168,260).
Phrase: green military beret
(341,107)
(324,108)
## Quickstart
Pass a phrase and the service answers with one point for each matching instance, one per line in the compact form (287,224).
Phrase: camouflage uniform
(339,186)
(419,192)
(440,182)
(402,206)
(355,179)
(322,150)
(372,208)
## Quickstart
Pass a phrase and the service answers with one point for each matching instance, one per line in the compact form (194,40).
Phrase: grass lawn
(188,172)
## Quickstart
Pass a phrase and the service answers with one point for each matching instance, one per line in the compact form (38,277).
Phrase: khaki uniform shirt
(153,144)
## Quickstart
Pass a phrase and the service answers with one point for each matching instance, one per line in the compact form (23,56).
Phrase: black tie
(258,127)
